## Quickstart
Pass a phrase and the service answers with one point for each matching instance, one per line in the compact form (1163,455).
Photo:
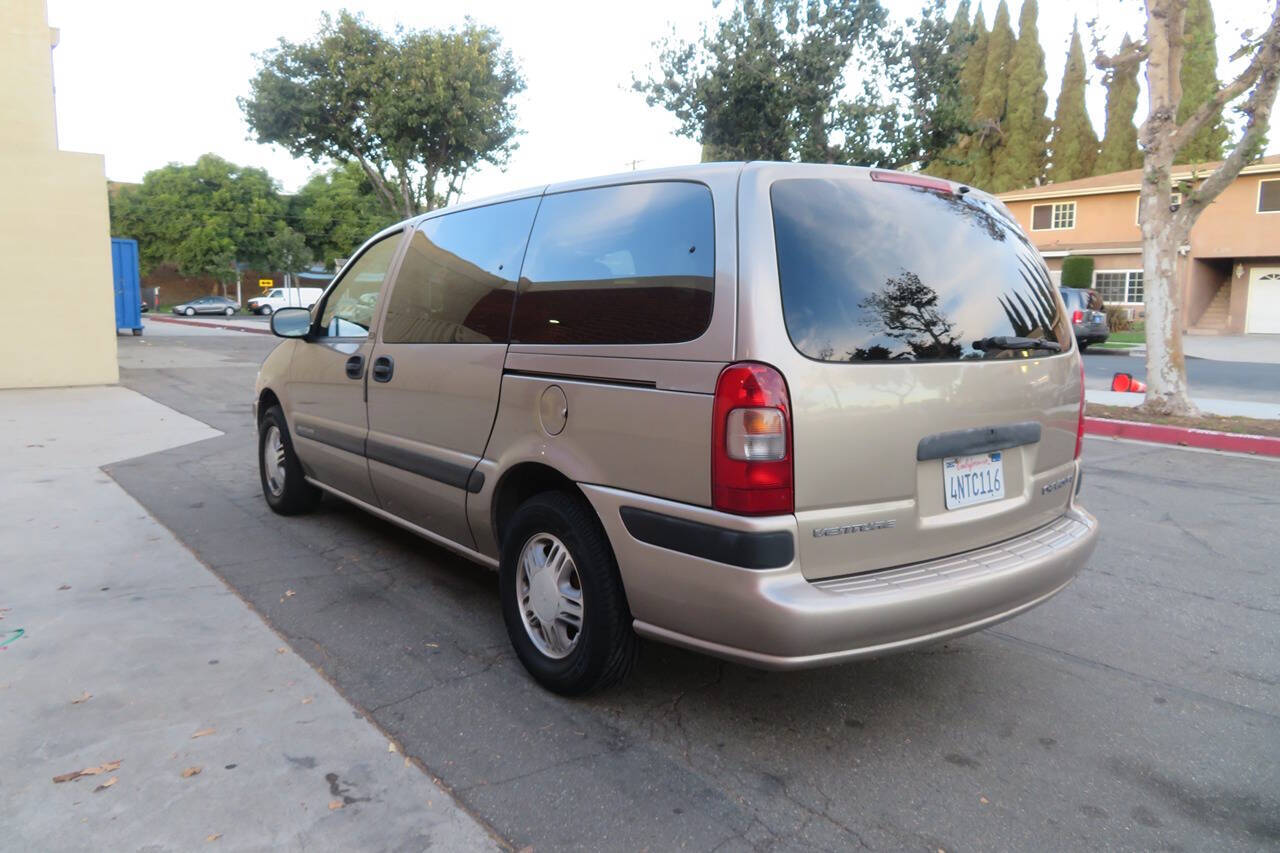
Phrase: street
(1222,380)
(1137,710)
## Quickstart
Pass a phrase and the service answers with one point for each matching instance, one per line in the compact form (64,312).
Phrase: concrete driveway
(1137,710)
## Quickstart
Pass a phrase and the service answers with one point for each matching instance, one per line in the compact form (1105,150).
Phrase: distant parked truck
(285,297)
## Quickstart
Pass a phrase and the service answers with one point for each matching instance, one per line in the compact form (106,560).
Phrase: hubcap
(273,460)
(550,595)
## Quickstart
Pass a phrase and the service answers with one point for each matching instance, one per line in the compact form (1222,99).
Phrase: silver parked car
(1088,316)
(789,415)
(208,305)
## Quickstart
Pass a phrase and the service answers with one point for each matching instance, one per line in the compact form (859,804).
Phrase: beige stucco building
(1229,271)
(54,226)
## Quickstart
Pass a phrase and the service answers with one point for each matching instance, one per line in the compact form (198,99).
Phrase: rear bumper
(776,619)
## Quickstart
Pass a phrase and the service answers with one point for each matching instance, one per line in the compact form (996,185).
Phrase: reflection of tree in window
(906,309)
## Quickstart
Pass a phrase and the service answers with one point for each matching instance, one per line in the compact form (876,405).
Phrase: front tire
(284,484)
(265,310)
(190,312)
(230,311)
(562,598)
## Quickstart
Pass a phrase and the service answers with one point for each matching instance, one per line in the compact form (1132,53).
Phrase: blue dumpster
(128,285)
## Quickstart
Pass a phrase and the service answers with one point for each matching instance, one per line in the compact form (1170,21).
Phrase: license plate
(969,480)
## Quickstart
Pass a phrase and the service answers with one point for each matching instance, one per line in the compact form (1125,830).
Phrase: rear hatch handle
(966,442)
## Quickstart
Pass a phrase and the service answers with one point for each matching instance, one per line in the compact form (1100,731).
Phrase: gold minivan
(786,414)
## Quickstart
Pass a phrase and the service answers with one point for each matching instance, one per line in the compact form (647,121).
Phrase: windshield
(886,272)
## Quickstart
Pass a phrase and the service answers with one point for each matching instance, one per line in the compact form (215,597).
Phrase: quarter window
(457,281)
(631,264)
(1121,286)
(1269,196)
(350,307)
(1053,217)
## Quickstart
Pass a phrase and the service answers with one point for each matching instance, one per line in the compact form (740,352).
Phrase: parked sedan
(208,305)
(1088,317)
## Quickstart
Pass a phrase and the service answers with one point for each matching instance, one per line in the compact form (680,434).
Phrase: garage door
(1262,314)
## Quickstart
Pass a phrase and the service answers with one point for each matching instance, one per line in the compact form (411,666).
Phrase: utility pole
(632,163)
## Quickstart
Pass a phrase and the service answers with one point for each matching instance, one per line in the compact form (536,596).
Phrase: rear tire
(1084,345)
(602,650)
(284,484)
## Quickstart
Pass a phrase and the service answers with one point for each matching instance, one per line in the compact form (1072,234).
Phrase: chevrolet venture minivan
(785,414)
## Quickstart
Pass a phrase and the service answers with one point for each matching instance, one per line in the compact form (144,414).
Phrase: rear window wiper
(1009,342)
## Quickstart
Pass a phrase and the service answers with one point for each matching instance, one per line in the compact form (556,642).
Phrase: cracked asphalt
(1140,709)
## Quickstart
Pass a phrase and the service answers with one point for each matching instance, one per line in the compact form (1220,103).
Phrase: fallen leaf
(334,805)
(214,837)
(288,593)
(391,747)
(65,586)
(432,645)
(88,771)
(191,771)
(202,733)
(105,785)
(84,697)
(983,800)
(307,700)
(281,650)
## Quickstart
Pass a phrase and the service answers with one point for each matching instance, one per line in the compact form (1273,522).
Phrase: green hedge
(1077,271)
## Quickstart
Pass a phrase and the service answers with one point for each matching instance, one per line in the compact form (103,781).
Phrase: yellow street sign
(266,283)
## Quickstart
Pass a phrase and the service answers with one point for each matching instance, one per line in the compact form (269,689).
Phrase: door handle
(383,368)
(355,367)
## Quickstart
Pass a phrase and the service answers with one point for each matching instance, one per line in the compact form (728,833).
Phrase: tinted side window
(631,264)
(457,281)
(351,305)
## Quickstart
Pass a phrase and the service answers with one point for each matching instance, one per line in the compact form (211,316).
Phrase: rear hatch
(936,402)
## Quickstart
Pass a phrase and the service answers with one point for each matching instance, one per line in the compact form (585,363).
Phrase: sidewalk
(119,646)
(1229,408)
(1259,349)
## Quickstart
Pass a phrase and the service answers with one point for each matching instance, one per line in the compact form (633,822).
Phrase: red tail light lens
(751,442)
(1077,317)
(1080,420)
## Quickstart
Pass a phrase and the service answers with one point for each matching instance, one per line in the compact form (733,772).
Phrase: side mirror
(291,322)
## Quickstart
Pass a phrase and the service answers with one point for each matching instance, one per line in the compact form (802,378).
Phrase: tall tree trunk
(1167,391)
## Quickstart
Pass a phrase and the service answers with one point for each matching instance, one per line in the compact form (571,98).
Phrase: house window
(1053,217)
(1175,202)
(1269,196)
(1119,286)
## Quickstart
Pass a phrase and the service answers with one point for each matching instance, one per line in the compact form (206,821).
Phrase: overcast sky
(148,83)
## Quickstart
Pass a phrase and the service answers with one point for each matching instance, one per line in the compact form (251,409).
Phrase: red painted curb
(181,322)
(1262,445)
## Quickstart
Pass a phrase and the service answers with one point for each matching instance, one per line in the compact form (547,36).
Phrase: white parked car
(285,297)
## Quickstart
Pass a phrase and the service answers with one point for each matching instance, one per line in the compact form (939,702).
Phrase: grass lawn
(1221,423)
(1132,336)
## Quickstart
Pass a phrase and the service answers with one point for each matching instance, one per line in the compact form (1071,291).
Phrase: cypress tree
(1075,145)
(1020,161)
(1120,140)
(992,99)
(1199,79)
(975,61)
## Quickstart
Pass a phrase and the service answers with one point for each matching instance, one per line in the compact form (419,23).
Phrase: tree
(916,110)
(1077,271)
(1164,227)
(417,110)
(202,218)
(1075,145)
(1120,139)
(336,211)
(988,133)
(765,83)
(955,162)
(1199,77)
(1025,150)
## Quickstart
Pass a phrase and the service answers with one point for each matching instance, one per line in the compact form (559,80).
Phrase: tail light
(1077,317)
(1080,419)
(751,442)
(922,181)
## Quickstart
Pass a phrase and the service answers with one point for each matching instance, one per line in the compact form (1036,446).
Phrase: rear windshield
(887,272)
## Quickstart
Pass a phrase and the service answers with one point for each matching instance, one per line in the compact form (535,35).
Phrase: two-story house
(1228,272)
